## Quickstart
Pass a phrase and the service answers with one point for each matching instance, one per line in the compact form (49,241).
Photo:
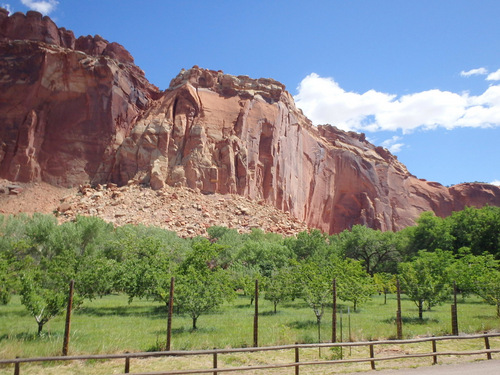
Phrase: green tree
(280,286)
(354,284)
(201,284)
(488,288)
(426,278)
(316,277)
(42,300)
(377,250)
(430,233)
(385,283)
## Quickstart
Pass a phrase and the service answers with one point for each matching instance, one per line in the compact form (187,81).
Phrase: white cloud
(42,6)
(324,101)
(474,72)
(496,182)
(393,144)
(6,6)
(495,76)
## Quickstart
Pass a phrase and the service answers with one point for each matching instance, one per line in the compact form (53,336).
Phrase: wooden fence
(295,348)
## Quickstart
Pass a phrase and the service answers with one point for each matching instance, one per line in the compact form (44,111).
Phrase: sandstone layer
(78,111)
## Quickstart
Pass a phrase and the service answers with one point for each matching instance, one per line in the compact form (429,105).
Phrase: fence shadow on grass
(412,320)
(144,312)
(298,324)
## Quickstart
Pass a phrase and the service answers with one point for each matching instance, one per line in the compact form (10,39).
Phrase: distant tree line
(39,257)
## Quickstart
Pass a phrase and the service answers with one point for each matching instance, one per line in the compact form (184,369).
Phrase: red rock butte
(77,110)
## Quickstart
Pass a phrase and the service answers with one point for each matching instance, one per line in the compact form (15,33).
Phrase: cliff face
(73,111)
(65,104)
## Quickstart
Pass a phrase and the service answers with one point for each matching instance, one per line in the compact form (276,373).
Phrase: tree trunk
(40,327)
(355,305)
(275,304)
(498,309)
(194,323)
(420,309)
(385,298)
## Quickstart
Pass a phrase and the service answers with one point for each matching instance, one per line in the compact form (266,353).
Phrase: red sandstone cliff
(73,111)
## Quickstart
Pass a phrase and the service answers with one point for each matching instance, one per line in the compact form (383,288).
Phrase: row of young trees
(38,258)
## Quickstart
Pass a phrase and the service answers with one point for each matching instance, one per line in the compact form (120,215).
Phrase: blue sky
(421,78)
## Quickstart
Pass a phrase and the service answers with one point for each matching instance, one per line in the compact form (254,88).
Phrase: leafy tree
(354,284)
(243,278)
(280,286)
(316,277)
(488,288)
(468,269)
(376,249)
(385,283)
(430,233)
(309,243)
(477,229)
(202,285)
(426,278)
(40,298)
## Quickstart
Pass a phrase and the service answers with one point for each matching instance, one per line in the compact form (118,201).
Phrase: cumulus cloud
(496,182)
(495,76)
(42,6)
(474,72)
(393,144)
(324,101)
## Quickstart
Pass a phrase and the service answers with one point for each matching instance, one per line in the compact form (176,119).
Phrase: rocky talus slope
(78,111)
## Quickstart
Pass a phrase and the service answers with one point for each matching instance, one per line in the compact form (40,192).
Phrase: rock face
(79,111)
(65,104)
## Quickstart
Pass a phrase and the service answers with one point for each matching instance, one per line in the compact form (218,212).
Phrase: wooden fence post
(372,355)
(67,327)
(434,350)
(17,368)
(256,316)
(127,365)
(215,361)
(297,359)
(170,313)
(334,312)
(487,346)
(399,319)
(454,312)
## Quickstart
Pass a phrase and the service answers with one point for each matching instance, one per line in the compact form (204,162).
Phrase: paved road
(491,367)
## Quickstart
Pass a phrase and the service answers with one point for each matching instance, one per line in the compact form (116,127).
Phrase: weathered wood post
(399,319)
(67,327)
(454,312)
(215,361)
(256,316)
(487,346)
(170,313)
(334,312)
(297,359)
(434,350)
(372,355)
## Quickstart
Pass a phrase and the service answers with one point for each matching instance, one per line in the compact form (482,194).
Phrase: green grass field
(111,325)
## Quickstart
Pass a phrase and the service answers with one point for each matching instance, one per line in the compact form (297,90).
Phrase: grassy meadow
(112,325)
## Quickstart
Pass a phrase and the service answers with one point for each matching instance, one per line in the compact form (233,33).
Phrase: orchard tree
(201,284)
(468,269)
(355,284)
(488,288)
(42,299)
(385,283)
(280,286)
(426,278)
(315,276)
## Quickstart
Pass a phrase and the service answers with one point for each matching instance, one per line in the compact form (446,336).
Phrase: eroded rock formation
(78,111)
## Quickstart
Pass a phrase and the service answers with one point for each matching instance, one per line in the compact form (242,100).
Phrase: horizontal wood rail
(214,352)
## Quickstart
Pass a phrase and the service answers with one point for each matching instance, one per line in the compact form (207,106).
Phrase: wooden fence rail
(296,348)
